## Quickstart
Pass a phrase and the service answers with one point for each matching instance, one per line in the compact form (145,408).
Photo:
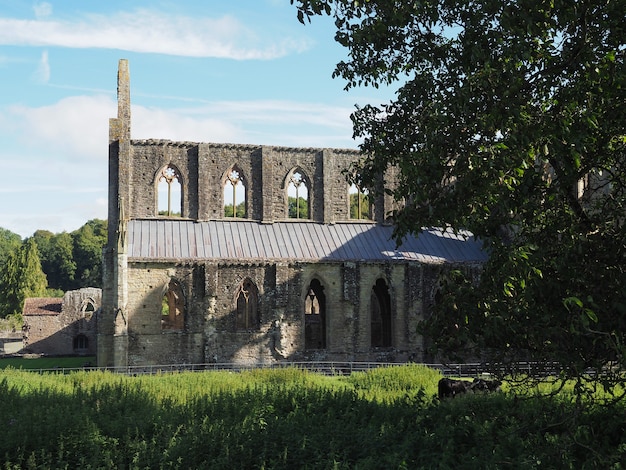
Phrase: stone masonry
(179,289)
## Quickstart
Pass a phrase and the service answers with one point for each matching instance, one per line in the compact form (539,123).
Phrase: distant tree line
(48,264)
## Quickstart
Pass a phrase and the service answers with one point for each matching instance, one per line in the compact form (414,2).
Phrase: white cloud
(59,170)
(42,74)
(276,122)
(149,31)
(75,127)
(42,9)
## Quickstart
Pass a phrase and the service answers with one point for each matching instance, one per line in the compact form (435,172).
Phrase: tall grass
(289,419)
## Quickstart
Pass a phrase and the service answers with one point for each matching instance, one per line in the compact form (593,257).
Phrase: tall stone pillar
(267,185)
(328,166)
(112,324)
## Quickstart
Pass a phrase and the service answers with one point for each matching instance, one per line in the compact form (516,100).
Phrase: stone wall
(210,333)
(203,169)
(72,331)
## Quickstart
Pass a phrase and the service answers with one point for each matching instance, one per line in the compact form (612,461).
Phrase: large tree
(21,277)
(57,258)
(509,120)
(73,260)
(89,241)
(9,241)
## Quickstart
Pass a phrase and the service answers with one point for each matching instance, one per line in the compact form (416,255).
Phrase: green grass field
(387,418)
(38,363)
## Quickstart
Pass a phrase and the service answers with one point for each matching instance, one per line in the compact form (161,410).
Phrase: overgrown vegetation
(288,418)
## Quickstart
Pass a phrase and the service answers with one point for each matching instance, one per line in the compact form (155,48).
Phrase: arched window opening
(81,343)
(169,192)
(360,207)
(380,309)
(234,194)
(247,306)
(298,196)
(315,317)
(173,307)
(88,309)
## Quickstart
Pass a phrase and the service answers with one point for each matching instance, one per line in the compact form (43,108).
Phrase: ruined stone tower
(256,254)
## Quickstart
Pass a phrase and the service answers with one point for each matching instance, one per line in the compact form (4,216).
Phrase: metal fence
(534,369)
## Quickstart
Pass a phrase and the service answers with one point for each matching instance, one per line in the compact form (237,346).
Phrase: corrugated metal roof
(167,239)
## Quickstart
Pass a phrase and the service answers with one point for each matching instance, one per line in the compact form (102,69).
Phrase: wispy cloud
(150,31)
(75,127)
(42,74)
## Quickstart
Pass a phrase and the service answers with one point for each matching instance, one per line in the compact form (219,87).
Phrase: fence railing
(534,369)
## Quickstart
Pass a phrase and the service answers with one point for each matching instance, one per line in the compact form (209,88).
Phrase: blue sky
(238,71)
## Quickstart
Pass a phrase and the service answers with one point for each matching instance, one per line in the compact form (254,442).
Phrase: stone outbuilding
(62,326)
(257,254)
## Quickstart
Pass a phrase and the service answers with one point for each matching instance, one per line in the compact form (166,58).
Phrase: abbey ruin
(256,254)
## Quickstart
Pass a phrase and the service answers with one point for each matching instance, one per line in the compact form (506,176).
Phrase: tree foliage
(240,208)
(9,241)
(73,260)
(298,209)
(88,242)
(21,277)
(56,258)
(509,120)
(359,206)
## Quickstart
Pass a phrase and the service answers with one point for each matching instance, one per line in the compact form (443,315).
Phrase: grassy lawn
(73,362)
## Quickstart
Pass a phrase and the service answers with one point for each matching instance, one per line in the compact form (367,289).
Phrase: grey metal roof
(169,239)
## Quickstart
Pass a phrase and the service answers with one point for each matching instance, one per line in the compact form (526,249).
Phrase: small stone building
(62,326)
(257,254)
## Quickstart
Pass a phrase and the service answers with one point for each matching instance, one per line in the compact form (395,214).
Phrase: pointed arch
(315,316)
(247,302)
(88,308)
(380,315)
(169,191)
(297,194)
(235,192)
(173,306)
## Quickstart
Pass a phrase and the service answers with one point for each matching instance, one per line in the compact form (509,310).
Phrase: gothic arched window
(360,206)
(315,317)
(173,307)
(169,192)
(235,194)
(247,306)
(298,187)
(380,313)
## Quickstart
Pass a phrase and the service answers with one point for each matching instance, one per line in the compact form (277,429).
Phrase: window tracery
(315,317)
(173,307)
(235,194)
(169,192)
(298,195)
(247,306)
